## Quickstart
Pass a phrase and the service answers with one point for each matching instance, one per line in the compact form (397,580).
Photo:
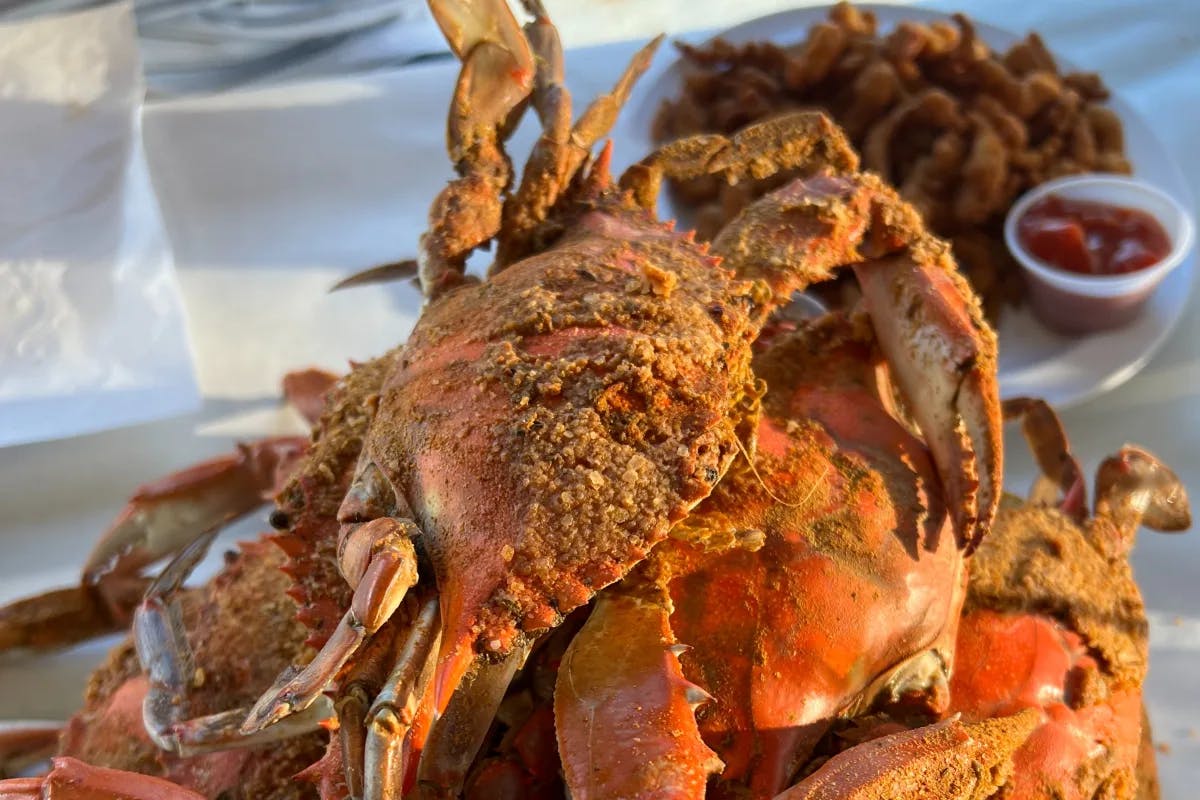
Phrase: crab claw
(490,96)
(927,320)
(945,761)
(161,518)
(1135,488)
(622,673)
(943,357)
(64,617)
(166,515)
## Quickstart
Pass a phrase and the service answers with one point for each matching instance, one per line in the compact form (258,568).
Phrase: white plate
(1034,361)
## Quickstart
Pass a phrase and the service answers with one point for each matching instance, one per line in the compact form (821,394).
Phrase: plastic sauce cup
(1070,302)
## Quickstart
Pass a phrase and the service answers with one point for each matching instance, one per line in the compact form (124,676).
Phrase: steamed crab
(544,431)
(818,581)
(1052,601)
(567,509)
(1044,700)
(243,629)
(826,434)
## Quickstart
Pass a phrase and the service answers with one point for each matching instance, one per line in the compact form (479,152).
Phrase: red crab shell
(800,589)
(548,445)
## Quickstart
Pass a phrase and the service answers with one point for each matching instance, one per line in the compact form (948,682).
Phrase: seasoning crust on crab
(1054,620)
(542,430)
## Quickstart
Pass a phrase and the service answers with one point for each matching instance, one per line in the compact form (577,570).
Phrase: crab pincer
(927,321)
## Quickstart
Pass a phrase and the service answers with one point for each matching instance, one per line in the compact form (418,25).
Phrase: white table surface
(255,293)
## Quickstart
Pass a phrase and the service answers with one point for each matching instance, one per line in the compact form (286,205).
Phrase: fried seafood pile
(961,130)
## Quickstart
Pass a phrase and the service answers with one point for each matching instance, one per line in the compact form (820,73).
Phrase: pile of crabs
(614,524)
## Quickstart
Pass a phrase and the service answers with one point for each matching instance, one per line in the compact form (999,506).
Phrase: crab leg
(460,729)
(391,715)
(380,273)
(804,139)
(1061,473)
(927,322)
(1135,488)
(493,86)
(353,702)
(167,657)
(562,148)
(23,743)
(545,171)
(380,562)
(161,518)
(601,114)
(165,515)
(74,780)
(622,673)
(163,649)
(945,761)
(64,617)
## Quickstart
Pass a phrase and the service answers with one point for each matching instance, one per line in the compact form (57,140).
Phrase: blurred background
(191,46)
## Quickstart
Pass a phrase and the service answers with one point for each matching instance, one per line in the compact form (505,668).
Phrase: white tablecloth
(251,203)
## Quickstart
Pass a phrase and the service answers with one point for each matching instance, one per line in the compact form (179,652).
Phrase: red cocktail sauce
(1092,238)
